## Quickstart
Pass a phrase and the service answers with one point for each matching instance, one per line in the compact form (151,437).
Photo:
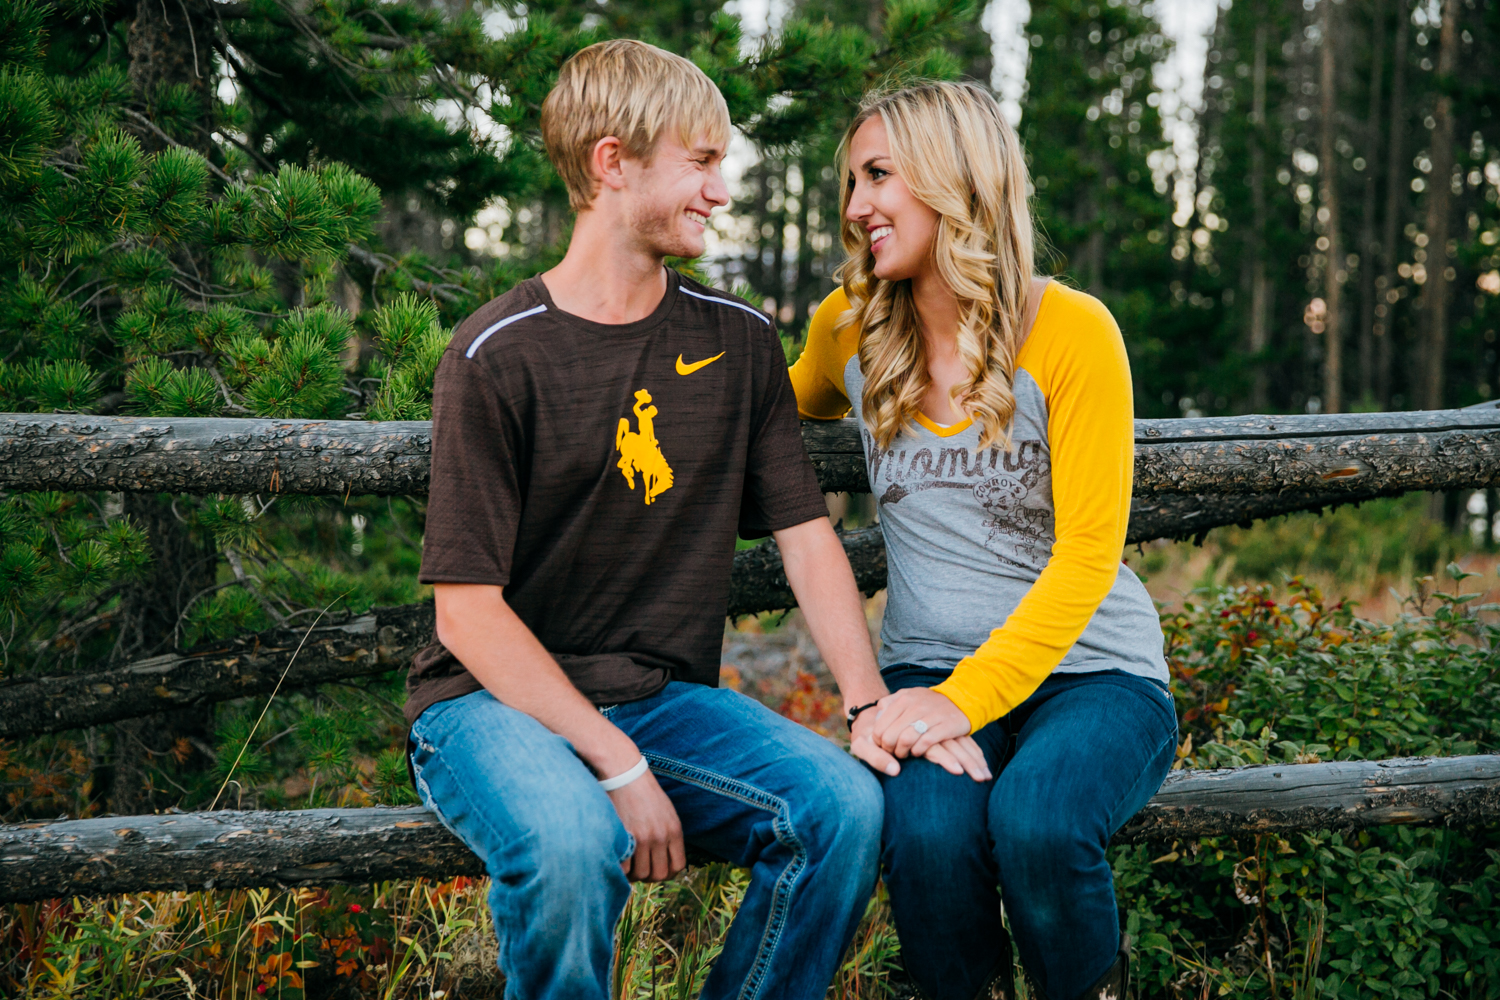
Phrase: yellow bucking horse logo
(641,452)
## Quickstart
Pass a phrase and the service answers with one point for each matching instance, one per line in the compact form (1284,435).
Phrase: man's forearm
(823,583)
(476,625)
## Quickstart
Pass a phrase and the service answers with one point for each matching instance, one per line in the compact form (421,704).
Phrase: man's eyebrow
(708,151)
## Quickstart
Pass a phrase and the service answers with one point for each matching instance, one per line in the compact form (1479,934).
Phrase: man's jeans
(750,786)
(1072,764)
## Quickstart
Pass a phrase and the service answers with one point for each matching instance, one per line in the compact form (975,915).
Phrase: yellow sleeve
(818,376)
(1078,359)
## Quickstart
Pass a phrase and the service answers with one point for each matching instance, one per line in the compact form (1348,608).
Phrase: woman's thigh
(1087,757)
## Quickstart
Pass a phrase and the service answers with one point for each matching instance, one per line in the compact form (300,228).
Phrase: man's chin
(682,248)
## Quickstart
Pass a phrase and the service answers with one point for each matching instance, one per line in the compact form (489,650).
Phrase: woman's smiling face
(900,228)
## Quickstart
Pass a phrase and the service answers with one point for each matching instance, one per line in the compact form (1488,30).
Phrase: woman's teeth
(878,235)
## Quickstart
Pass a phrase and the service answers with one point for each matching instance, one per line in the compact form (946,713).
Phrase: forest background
(282,207)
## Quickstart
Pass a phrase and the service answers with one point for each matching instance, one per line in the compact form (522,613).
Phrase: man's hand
(896,713)
(862,744)
(651,819)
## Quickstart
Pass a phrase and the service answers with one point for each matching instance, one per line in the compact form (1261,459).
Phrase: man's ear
(605,163)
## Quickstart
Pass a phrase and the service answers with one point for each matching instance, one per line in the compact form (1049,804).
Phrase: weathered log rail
(360,646)
(1191,475)
(1319,455)
(231,849)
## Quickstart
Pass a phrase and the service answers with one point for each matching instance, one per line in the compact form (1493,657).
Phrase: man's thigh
(739,773)
(507,785)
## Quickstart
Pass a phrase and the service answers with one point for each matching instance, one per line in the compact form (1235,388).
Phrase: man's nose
(716,191)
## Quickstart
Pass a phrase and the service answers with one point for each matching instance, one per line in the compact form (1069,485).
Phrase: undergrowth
(1260,674)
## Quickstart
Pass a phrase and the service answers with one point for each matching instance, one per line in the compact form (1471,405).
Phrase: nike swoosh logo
(686,369)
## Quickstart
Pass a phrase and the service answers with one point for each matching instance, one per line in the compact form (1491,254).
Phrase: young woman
(1023,657)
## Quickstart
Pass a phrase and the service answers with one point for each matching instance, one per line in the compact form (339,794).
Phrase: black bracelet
(853,713)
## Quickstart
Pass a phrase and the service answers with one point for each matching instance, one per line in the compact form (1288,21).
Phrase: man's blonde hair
(634,92)
(960,158)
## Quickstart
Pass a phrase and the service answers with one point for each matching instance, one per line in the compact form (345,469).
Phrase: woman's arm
(1079,361)
(818,375)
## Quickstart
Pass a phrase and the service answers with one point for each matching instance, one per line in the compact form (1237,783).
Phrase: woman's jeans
(750,787)
(1072,764)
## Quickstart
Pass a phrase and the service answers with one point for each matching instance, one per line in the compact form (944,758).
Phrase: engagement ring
(920,727)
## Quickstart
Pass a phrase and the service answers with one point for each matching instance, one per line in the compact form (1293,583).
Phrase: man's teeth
(697,217)
(876,235)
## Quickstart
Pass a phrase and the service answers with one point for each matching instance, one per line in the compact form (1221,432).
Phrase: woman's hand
(896,716)
(960,756)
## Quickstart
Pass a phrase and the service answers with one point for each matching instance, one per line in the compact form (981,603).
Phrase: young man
(600,433)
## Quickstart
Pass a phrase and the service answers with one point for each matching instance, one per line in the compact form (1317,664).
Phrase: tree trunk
(239,850)
(1395,173)
(1439,207)
(184,563)
(1260,320)
(1369,249)
(1334,274)
(170,45)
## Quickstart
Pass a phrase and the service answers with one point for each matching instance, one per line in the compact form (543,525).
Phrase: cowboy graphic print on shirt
(641,452)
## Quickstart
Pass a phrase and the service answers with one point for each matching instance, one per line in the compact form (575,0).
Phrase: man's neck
(606,277)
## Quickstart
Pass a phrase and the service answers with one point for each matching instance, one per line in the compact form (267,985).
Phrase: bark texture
(1341,795)
(50,451)
(230,849)
(384,639)
(1326,455)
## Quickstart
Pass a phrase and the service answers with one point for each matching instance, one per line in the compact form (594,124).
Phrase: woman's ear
(605,163)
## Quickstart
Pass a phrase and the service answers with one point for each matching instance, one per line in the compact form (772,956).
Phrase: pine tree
(194,199)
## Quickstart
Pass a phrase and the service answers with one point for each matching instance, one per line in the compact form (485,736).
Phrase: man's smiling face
(674,194)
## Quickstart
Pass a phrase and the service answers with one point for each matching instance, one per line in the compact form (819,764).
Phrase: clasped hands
(887,732)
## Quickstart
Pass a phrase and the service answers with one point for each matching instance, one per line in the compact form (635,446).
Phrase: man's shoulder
(504,318)
(720,306)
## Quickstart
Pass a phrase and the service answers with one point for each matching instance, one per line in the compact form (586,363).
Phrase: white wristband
(621,780)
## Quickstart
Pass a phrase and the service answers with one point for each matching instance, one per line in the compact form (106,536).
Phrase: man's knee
(573,848)
(844,809)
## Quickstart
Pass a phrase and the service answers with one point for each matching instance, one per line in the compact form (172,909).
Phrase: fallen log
(360,646)
(232,850)
(384,639)
(1330,455)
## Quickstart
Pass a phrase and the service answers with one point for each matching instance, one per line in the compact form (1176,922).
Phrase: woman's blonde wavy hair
(960,157)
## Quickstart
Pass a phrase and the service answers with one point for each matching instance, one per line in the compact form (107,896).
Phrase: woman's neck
(937,309)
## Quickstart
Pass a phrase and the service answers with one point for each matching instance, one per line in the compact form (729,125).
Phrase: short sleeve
(781,488)
(474,499)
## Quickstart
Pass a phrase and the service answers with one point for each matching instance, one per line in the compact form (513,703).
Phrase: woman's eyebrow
(871,161)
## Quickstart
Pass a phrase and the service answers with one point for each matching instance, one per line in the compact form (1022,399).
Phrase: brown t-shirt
(600,473)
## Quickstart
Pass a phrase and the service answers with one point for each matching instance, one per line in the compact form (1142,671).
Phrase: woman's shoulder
(818,375)
(1070,324)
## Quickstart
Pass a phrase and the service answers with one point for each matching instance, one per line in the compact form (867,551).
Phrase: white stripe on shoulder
(493,327)
(727,302)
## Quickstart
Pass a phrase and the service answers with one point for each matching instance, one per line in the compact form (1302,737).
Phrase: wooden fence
(1191,475)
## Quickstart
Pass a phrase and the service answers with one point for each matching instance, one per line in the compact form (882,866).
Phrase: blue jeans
(751,787)
(1072,764)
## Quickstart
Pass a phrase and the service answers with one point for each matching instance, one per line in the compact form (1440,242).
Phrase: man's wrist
(853,712)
